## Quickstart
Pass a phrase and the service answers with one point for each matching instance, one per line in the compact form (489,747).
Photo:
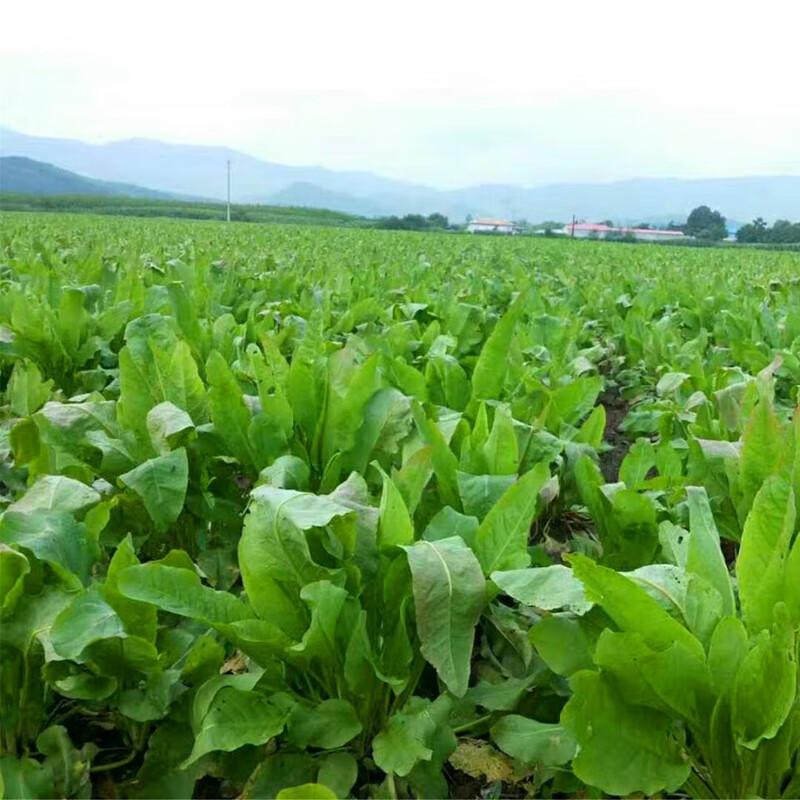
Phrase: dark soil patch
(616,410)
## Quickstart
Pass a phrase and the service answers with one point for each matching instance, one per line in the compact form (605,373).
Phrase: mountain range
(200,171)
(26,176)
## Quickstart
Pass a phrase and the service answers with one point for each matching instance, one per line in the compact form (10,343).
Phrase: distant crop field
(317,512)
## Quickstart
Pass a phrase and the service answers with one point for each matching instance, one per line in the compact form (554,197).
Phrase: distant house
(485,225)
(587,230)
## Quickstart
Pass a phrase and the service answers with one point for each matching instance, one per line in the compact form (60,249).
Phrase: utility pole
(572,230)
(229,191)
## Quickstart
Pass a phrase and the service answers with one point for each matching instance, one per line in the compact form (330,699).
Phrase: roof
(486,221)
(599,228)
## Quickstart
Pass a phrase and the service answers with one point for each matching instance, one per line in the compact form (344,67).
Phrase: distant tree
(784,232)
(608,222)
(437,221)
(643,226)
(703,223)
(753,232)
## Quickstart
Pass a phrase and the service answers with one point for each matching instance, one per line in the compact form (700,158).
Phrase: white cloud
(440,92)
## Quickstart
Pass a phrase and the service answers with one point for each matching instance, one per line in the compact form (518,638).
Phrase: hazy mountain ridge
(27,176)
(200,171)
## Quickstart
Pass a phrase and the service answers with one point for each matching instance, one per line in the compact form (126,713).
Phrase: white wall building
(586,230)
(485,225)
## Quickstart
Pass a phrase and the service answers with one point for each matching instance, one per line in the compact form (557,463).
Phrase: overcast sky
(444,93)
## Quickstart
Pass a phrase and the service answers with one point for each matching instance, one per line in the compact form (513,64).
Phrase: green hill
(27,176)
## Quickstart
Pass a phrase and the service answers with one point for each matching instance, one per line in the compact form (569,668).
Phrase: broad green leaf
(501,450)
(54,537)
(230,414)
(339,772)
(395,527)
(537,743)
(765,686)
(630,607)
(490,369)
(306,791)
(331,724)
(641,458)
(762,560)
(155,366)
(24,779)
(87,619)
(286,472)
(623,748)
(14,567)
(386,422)
(549,588)
(140,619)
(237,718)
(180,591)
(448,596)
(447,523)
(670,382)
(704,555)
(501,542)
(564,643)
(479,493)
(27,392)
(169,427)
(406,739)
(728,648)
(161,483)
(56,493)
(325,602)
(764,450)
(444,461)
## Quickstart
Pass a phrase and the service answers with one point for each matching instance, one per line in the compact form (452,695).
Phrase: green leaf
(386,422)
(765,686)
(339,772)
(764,451)
(448,596)
(26,390)
(537,743)
(479,493)
(87,619)
(306,791)
(54,537)
(447,523)
(155,366)
(25,779)
(56,493)
(640,459)
(140,619)
(236,718)
(180,591)
(286,472)
(14,567)
(230,414)
(331,724)
(564,643)
(169,427)
(501,450)
(445,463)
(395,527)
(630,607)
(161,483)
(548,588)
(762,560)
(728,648)
(501,542)
(490,369)
(406,739)
(704,555)
(623,748)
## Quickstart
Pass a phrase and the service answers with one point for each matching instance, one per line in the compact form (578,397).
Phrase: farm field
(324,513)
